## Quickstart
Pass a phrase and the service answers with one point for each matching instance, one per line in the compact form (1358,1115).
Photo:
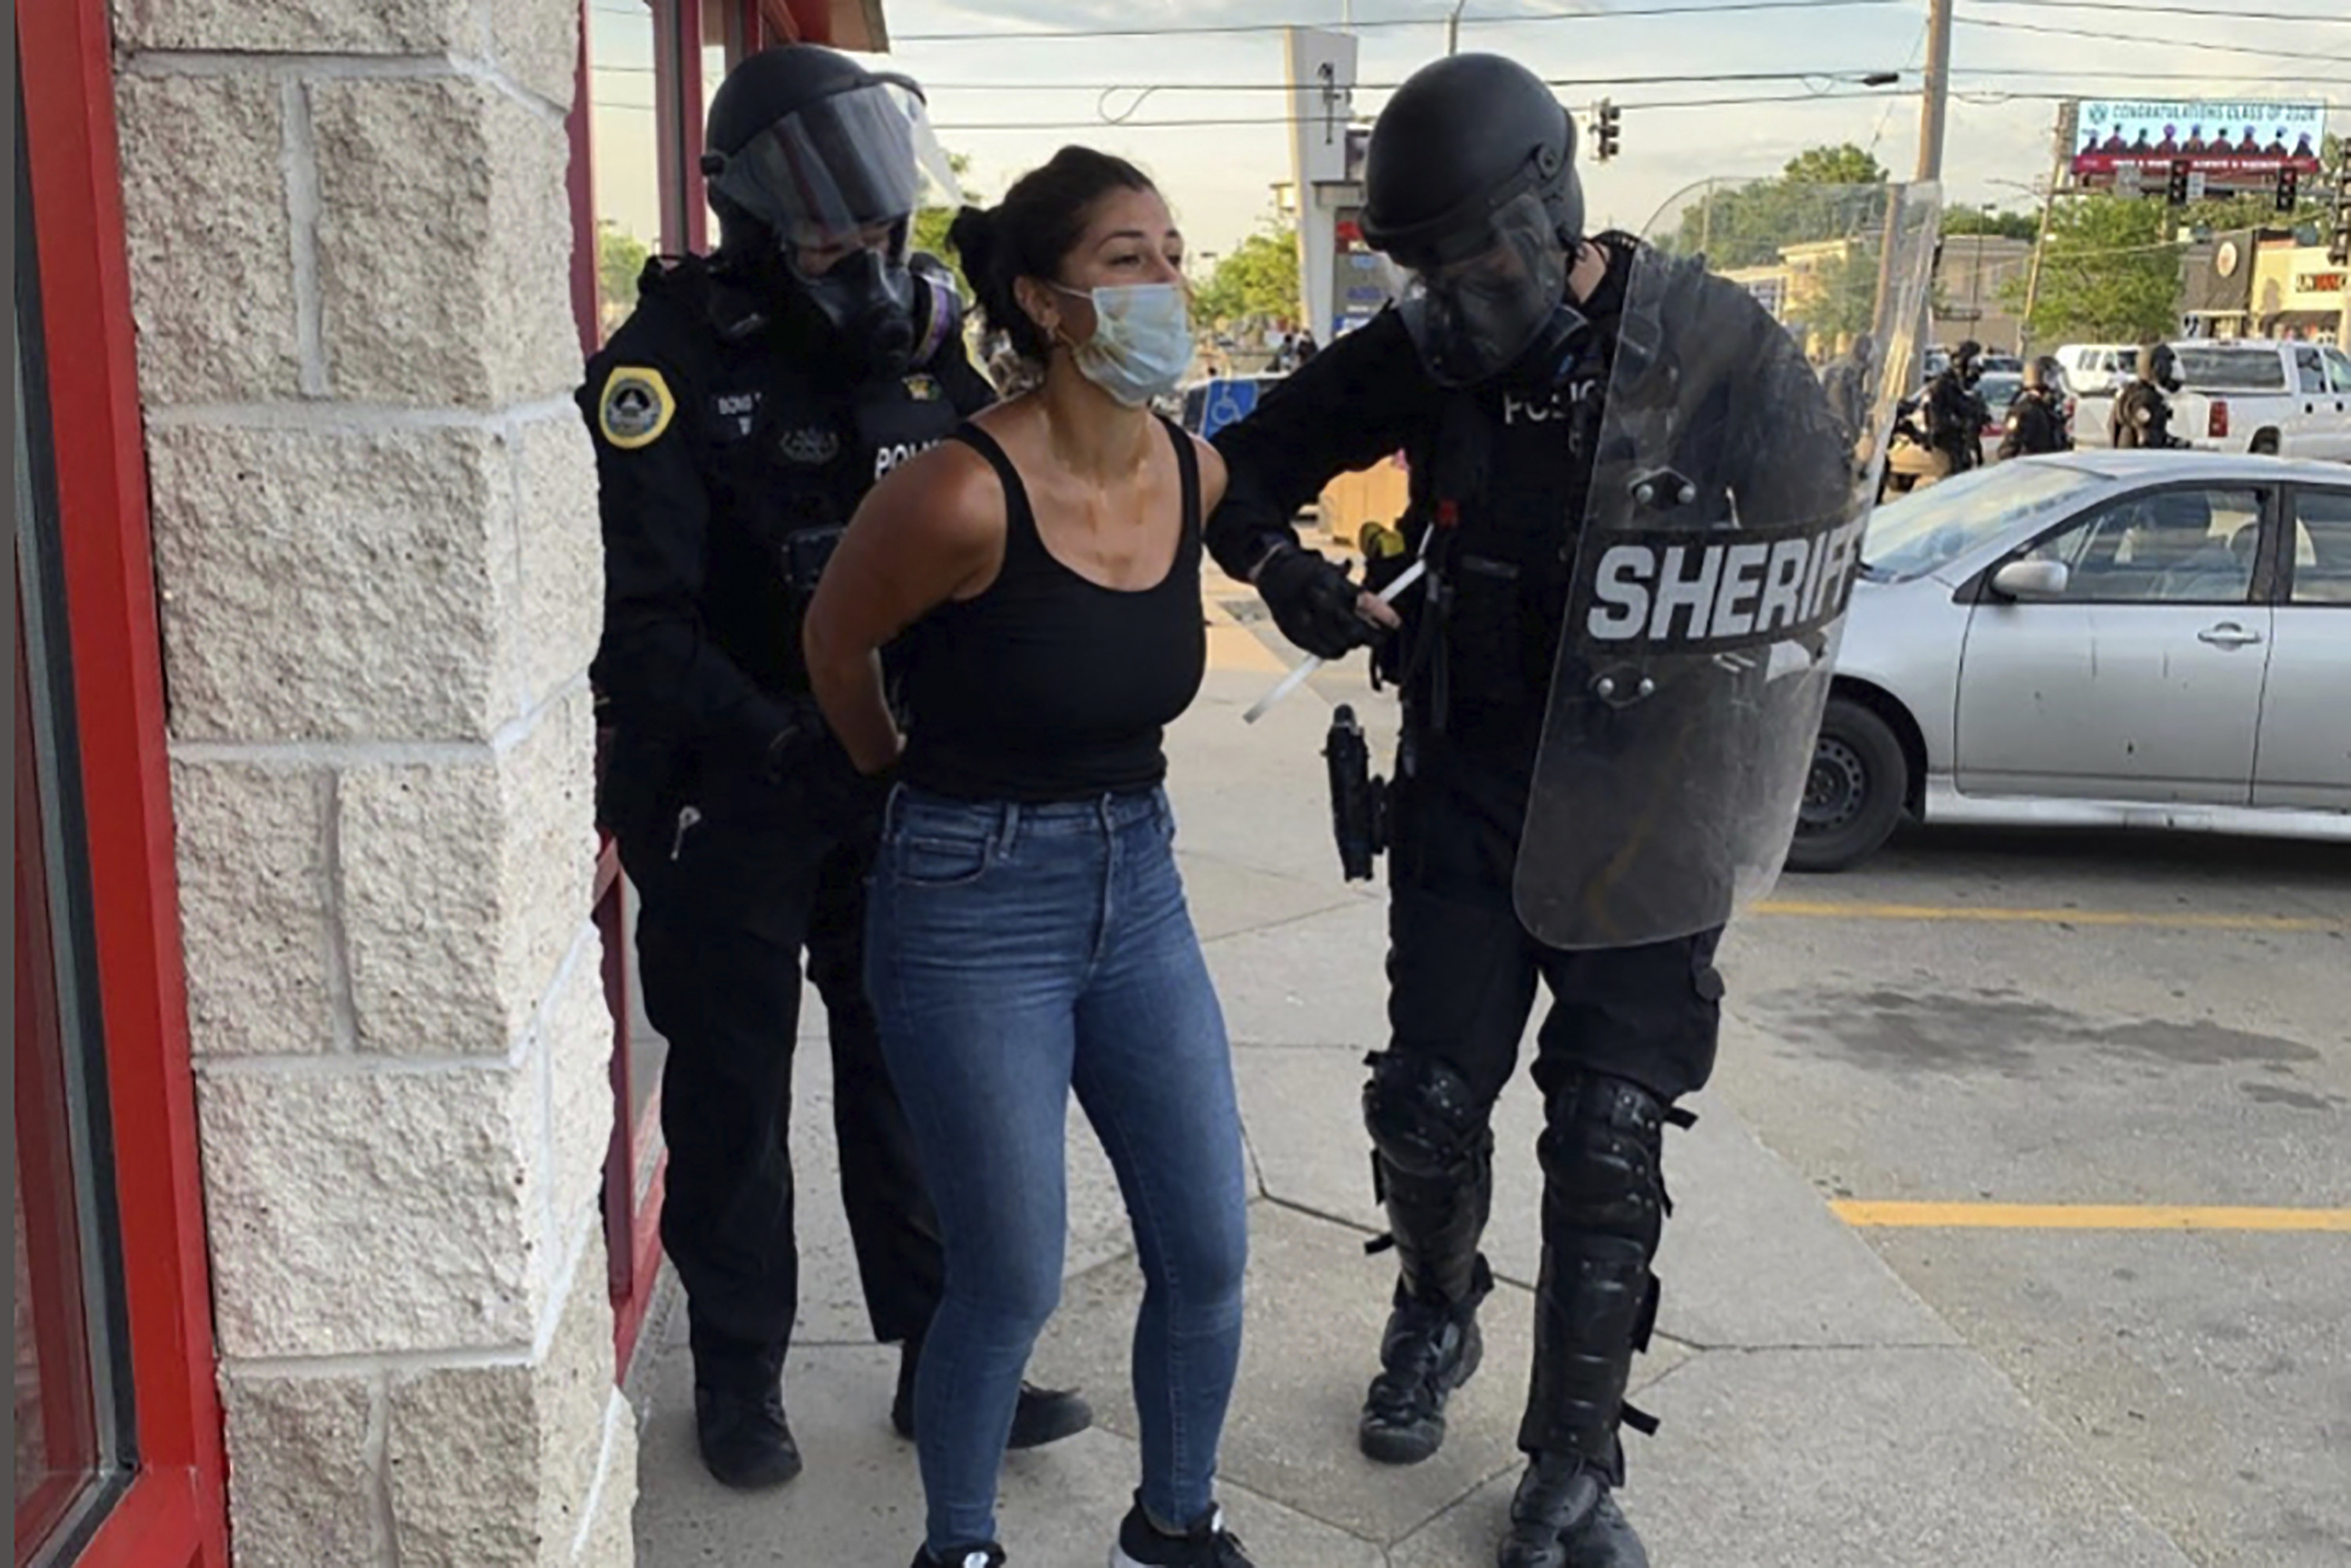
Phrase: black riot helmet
(1469,185)
(1965,361)
(2158,365)
(2044,375)
(815,162)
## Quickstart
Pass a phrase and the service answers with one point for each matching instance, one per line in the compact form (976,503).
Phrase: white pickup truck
(2250,394)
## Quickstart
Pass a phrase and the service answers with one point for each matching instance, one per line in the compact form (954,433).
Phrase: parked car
(2253,394)
(2098,370)
(2128,638)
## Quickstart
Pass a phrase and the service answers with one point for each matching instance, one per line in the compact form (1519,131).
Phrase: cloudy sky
(1057,90)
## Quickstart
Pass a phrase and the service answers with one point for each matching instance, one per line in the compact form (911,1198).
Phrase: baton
(1312,663)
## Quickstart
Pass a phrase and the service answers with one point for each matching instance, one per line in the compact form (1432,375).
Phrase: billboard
(2232,145)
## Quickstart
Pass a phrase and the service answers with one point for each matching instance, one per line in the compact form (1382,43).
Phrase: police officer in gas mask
(739,416)
(1955,415)
(1490,374)
(2036,416)
(2141,415)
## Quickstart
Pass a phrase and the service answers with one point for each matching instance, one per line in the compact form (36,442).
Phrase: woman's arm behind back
(931,532)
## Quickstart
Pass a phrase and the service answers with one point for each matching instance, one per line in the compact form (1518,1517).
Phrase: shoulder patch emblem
(636,407)
(922,389)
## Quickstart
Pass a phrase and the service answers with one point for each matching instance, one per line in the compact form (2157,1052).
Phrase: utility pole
(2061,138)
(1937,94)
(1453,28)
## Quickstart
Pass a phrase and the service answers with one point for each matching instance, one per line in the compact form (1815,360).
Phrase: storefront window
(626,143)
(71,1394)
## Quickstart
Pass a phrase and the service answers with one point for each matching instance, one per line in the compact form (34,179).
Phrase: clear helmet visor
(1473,314)
(827,176)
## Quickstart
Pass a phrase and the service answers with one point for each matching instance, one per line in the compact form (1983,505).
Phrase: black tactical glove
(804,759)
(1313,602)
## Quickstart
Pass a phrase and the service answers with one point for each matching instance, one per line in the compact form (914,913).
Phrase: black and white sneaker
(1207,1544)
(985,1554)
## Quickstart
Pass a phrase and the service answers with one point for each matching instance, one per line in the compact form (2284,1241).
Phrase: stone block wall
(374,515)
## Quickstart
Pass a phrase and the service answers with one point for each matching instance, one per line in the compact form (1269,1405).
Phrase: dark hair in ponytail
(1031,233)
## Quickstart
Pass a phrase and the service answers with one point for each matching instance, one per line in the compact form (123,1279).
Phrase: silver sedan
(2156,639)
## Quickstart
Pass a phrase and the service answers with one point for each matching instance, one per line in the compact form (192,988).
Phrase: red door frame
(175,1513)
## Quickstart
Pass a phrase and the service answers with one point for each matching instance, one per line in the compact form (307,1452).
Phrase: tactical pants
(729,905)
(1628,1032)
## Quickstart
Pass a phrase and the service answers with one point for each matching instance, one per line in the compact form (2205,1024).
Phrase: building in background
(335,1175)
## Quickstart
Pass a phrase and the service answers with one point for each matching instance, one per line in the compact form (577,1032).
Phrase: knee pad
(1600,1153)
(1424,1119)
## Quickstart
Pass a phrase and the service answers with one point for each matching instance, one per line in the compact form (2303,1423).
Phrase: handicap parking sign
(1229,403)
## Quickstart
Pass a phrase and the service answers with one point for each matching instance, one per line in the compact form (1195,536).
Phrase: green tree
(2109,272)
(1984,220)
(619,257)
(1845,164)
(1259,277)
(1747,224)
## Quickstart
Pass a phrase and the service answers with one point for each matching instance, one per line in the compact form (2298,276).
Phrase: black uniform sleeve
(656,663)
(1352,404)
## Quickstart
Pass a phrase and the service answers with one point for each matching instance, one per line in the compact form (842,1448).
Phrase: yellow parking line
(2086,1217)
(1825,909)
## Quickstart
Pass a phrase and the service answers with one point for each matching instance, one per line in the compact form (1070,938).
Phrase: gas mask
(862,310)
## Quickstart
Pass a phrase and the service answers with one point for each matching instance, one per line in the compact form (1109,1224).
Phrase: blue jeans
(1015,953)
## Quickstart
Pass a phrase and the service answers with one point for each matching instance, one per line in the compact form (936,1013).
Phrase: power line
(2168,43)
(2137,10)
(1001,36)
(1289,120)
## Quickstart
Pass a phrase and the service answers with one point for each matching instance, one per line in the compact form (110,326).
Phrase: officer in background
(2141,415)
(1850,384)
(1954,415)
(1490,376)
(739,416)
(2036,416)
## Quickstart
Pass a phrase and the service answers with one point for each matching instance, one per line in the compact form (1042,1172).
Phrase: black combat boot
(738,1421)
(1433,1171)
(1430,1349)
(1043,1416)
(1564,1515)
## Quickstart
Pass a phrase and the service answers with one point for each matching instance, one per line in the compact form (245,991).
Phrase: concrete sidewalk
(1816,1412)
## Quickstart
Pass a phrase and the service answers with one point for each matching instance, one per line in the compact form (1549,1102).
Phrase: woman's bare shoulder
(947,494)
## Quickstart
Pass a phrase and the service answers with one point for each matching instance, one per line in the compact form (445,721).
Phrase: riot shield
(1768,330)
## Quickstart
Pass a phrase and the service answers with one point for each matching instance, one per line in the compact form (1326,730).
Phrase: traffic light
(2176,191)
(2288,190)
(2338,241)
(1603,131)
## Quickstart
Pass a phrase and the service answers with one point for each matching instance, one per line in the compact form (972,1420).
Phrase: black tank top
(1046,685)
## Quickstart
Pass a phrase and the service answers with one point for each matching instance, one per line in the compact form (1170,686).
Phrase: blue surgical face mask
(1141,343)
